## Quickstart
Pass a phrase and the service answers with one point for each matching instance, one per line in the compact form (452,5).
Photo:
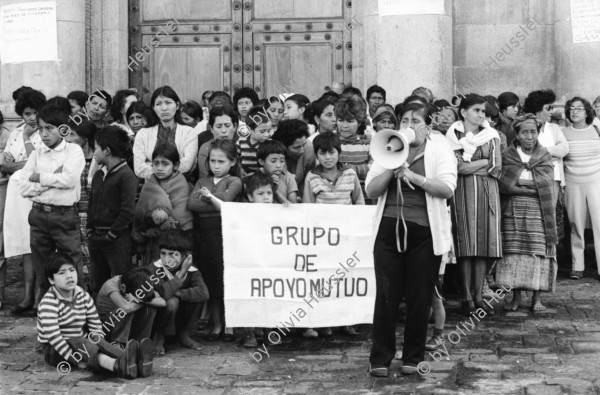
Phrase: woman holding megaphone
(413,173)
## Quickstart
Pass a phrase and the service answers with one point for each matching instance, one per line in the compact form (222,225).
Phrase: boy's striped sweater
(60,319)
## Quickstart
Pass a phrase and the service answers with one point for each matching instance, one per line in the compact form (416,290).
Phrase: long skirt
(529,261)
(476,216)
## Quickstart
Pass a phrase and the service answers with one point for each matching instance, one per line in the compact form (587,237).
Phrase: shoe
(213,337)
(259,334)
(348,331)
(19,310)
(576,274)
(468,307)
(145,356)
(228,337)
(378,371)
(485,307)
(250,340)
(434,343)
(126,365)
(325,332)
(310,333)
(409,369)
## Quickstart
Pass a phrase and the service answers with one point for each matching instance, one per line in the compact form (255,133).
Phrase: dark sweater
(112,200)
(192,288)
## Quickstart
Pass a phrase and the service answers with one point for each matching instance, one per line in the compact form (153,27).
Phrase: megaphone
(385,147)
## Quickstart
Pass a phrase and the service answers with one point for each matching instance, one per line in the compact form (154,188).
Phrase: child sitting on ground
(127,305)
(271,158)
(260,124)
(181,285)
(69,328)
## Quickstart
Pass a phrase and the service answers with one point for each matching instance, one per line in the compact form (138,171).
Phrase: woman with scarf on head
(476,204)
(528,215)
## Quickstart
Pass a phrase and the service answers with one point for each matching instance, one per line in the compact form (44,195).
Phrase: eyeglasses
(574,109)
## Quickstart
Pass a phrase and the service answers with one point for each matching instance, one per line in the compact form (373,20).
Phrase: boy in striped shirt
(69,328)
(260,124)
(331,182)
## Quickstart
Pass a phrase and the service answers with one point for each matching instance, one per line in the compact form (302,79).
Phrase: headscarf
(525,119)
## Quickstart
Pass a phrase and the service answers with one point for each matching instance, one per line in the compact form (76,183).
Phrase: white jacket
(441,164)
(186,141)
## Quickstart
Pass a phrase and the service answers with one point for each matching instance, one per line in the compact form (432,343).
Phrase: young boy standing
(331,183)
(111,206)
(260,124)
(70,331)
(51,179)
(271,158)
(181,286)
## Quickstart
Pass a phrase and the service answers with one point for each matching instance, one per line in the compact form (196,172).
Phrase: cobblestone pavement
(556,352)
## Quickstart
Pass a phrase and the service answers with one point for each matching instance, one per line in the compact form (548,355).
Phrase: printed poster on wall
(411,7)
(307,265)
(28,32)
(585,20)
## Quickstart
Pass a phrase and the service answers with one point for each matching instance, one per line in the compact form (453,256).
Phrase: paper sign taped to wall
(28,32)
(411,7)
(585,20)
(307,265)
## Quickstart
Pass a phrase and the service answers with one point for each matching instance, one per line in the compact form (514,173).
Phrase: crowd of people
(114,205)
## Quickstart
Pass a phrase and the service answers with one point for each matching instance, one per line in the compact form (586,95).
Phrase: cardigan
(112,200)
(186,141)
(441,164)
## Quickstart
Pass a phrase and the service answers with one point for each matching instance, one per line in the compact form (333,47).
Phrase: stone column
(52,78)
(576,64)
(402,52)
(109,45)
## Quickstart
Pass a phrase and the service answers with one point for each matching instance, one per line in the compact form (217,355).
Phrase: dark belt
(50,208)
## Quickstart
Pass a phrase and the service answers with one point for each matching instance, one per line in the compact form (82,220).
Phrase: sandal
(378,371)
(484,307)
(468,306)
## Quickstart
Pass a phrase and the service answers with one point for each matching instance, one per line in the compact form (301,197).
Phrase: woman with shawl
(476,203)
(528,216)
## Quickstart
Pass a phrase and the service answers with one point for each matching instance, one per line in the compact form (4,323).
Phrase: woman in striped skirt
(476,203)
(528,215)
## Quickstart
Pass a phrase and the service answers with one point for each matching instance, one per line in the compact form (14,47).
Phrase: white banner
(585,20)
(411,7)
(28,32)
(307,265)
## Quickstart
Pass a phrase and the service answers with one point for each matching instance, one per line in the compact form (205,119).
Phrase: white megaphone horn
(389,148)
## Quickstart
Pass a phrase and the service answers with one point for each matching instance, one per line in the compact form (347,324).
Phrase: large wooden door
(274,46)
